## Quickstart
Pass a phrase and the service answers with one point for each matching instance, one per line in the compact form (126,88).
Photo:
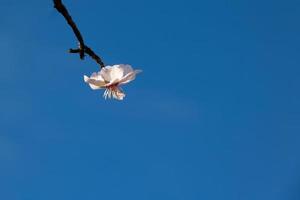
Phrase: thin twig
(82,49)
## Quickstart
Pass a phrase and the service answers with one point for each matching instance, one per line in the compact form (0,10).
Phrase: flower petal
(105,73)
(112,73)
(97,76)
(129,77)
(126,69)
(113,82)
(118,94)
(94,84)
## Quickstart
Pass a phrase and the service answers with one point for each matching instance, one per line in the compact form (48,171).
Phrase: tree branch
(82,49)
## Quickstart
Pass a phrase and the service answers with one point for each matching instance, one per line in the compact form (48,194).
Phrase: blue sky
(215,114)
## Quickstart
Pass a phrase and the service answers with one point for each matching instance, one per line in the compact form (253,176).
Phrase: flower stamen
(113,91)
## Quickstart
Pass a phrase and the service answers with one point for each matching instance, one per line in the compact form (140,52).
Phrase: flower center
(113,91)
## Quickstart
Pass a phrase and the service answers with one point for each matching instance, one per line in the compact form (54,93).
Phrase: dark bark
(82,49)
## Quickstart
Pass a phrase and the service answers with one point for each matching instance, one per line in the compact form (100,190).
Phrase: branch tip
(60,7)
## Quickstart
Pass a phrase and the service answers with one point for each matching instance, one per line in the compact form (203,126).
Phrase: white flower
(110,78)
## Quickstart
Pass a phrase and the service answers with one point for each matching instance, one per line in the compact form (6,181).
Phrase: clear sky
(215,115)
